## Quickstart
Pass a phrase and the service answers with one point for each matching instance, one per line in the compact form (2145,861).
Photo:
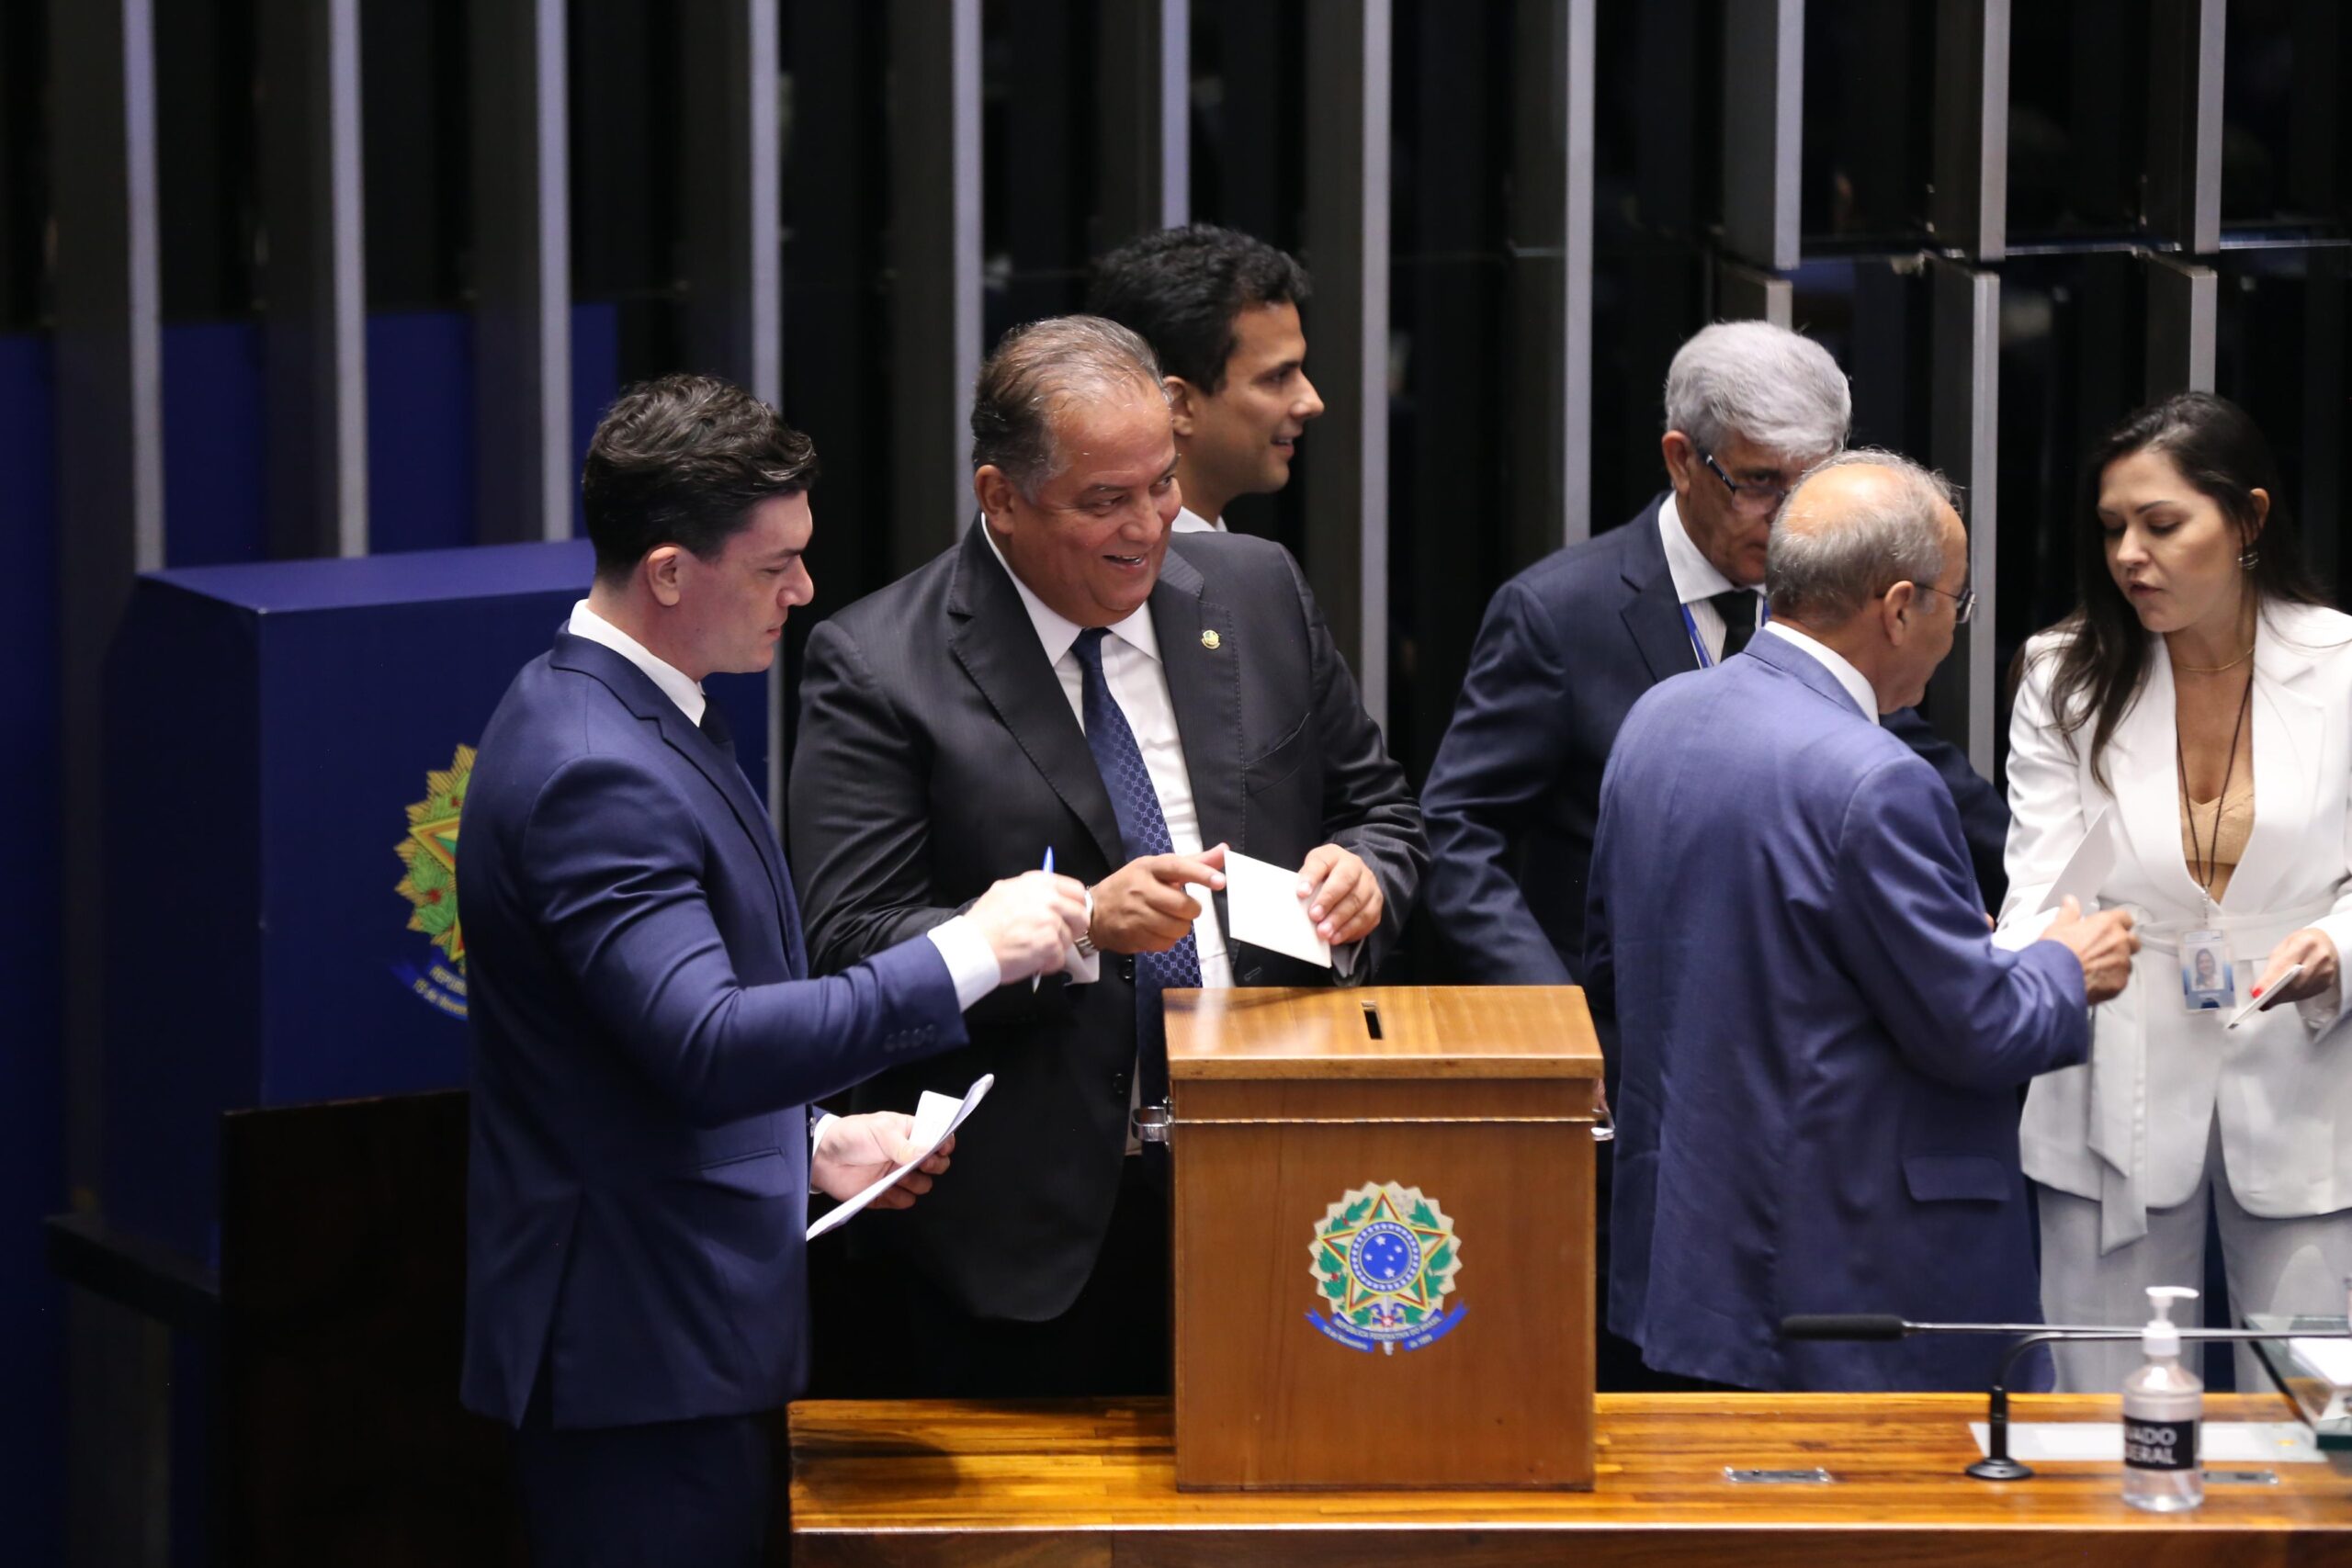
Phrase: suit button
(1118,1085)
(1128,968)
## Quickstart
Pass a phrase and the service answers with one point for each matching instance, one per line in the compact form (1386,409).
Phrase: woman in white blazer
(2197,707)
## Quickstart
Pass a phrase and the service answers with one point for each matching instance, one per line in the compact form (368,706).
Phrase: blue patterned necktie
(1143,830)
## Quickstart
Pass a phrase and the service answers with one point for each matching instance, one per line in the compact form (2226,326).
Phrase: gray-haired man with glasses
(1570,644)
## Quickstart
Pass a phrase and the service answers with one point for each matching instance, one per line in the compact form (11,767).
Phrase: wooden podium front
(1384,1271)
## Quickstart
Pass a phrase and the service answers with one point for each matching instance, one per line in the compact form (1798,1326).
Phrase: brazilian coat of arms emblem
(1384,1260)
(430,854)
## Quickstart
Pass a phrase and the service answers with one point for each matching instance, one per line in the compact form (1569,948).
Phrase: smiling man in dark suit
(1571,643)
(1065,681)
(646,1039)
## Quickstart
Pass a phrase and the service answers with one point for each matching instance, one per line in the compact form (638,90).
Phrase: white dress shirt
(971,963)
(1696,581)
(1139,683)
(1191,521)
(1837,663)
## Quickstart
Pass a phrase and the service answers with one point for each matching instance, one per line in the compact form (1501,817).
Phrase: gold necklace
(2179,667)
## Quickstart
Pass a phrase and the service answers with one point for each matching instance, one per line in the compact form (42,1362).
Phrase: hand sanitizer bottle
(2162,1403)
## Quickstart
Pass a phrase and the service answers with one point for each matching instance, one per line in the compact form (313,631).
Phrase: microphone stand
(1996,1464)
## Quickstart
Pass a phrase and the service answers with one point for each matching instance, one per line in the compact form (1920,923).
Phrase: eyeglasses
(1965,600)
(1760,498)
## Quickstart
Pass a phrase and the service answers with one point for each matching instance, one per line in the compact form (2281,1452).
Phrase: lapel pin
(1210,640)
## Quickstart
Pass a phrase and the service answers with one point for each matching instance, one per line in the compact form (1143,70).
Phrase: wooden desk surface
(1091,1483)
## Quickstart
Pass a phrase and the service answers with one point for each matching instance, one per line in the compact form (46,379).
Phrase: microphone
(1996,1464)
(1844,1325)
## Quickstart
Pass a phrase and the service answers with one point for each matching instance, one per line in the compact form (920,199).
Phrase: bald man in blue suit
(1822,1047)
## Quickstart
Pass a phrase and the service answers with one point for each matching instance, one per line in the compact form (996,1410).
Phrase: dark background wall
(2110,282)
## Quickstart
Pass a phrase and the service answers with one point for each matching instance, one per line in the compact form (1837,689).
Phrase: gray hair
(1750,379)
(1037,371)
(1826,572)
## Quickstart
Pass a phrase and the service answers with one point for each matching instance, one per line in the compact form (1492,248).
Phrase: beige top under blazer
(2130,1128)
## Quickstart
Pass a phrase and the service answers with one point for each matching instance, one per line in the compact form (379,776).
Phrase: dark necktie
(1738,607)
(714,725)
(1143,830)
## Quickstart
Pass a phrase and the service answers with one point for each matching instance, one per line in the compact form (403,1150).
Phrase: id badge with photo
(2207,983)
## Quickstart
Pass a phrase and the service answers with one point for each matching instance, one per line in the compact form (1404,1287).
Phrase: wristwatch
(1086,936)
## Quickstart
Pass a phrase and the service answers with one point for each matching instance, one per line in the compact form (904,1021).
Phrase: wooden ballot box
(1384,1271)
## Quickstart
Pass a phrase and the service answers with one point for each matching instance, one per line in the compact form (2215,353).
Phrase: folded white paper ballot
(1263,904)
(2081,878)
(936,1116)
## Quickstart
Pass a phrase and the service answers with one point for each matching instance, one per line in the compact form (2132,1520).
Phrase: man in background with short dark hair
(1220,309)
(646,1040)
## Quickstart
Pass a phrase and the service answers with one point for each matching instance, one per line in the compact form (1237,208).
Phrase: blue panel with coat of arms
(287,751)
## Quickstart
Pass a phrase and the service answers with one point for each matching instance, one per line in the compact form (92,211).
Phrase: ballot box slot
(1371,1020)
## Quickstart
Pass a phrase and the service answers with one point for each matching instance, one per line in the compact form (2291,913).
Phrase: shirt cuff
(817,1133)
(971,963)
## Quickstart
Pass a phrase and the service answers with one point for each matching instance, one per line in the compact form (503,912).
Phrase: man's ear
(993,488)
(1183,404)
(1680,454)
(1894,611)
(663,567)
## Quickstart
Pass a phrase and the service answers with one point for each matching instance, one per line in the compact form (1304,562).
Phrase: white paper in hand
(936,1116)
(2085,873)
(1263,902)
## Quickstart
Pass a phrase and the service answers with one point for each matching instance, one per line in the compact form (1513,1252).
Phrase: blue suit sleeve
(1502,754)
(616,870)
(1983,814)
(1911,931)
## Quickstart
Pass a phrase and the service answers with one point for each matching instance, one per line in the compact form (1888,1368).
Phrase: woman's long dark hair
(2219,450)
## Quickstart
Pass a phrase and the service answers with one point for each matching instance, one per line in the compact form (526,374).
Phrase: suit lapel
(1653,614)
(992,639)
(637,692)
(1204,687)
(2143,769)
(2286,720)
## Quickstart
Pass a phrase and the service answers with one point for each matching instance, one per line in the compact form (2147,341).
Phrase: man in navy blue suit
(1822,1047)
(1569,645)
(646,1041)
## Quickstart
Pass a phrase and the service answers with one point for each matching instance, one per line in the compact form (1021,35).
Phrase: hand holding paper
(1263,902)
(931,1132)
(2085,873)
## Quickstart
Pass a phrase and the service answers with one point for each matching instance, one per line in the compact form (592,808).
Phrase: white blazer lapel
(2142,767)
(2286,726)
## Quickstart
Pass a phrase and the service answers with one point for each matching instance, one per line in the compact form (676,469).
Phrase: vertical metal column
(935,259)
(110,517)
(1969,209)
(2184,202)
(1348,46)
(1964,426)
(2184,305)
(1147,134)
(733,182)
(522,206)
(315,278)
(1743,294)
(1550,259)
(1763,102)
(2318,510)
(110,446)
(732,177)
